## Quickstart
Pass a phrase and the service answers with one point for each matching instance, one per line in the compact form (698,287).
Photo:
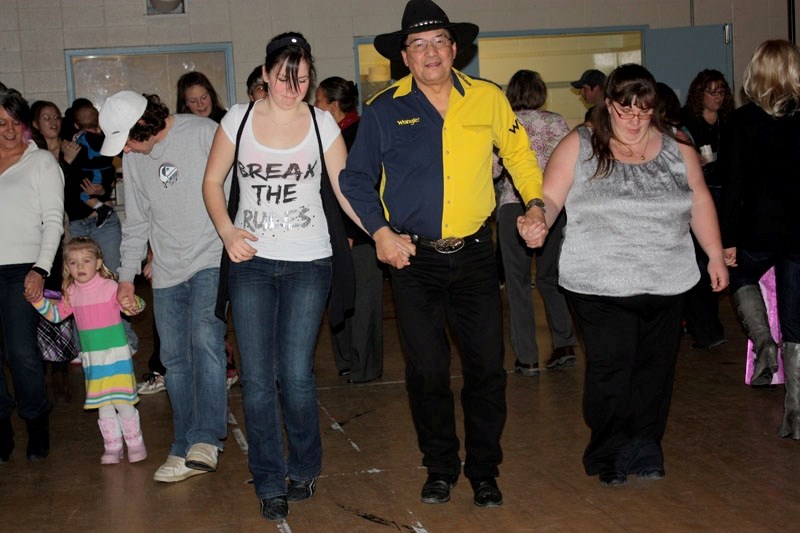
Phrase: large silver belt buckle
(449,245)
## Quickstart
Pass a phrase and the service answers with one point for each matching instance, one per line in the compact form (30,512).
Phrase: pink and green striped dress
(106,357)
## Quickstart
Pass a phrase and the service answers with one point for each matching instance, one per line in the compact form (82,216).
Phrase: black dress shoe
(486,492)
(650,473)
(612,478)
(437,488)
(275,508)
(344,372)
(526,369)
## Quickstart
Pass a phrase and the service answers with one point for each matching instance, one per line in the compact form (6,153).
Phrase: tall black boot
(791,371)
(6,440)
(753,312)
(38,437)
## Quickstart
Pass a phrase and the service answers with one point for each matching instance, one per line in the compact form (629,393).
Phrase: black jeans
(460,289)
(631,349)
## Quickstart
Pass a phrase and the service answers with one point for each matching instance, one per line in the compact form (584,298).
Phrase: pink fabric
(767,284)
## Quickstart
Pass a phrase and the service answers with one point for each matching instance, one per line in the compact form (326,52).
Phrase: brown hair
(152,121)
(526,90)
(701,82)
(625,84)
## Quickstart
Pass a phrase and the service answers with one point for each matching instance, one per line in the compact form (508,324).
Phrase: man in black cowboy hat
(430,138)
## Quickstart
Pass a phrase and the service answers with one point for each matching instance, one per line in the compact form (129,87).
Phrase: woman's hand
(532,227)
(70,151)
(393,249)
(34,286)
(719,274)
(730,256)
(236,244)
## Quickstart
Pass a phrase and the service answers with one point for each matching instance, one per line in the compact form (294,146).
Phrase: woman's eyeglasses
(716,92)
(647,114)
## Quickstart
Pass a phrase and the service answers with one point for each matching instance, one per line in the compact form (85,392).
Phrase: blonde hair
(82,244)
(772,79)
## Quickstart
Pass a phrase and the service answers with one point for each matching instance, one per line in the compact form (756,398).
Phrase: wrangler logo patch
(408,121)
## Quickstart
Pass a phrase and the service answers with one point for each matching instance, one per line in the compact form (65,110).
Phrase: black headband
(289,40)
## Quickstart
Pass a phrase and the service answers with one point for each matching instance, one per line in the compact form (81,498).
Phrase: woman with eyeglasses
(760,216)
(632,190)
(707,113)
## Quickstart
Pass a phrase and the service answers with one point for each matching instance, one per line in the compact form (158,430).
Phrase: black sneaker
(274,508)
(103,214)
(300,490)
(562,357)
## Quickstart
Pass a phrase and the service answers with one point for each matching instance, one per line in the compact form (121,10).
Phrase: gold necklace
(629,147)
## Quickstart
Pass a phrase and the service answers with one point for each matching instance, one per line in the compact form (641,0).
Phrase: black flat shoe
(344,372)
(275,508)
(486,492)
(437,488)
(612,478)
(651,473)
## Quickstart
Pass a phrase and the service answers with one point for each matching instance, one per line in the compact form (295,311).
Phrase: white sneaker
(203,457)
(175,469)
(230,380)
(152,384)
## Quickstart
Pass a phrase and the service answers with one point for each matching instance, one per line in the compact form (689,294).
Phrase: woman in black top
(706,115)
(760,217)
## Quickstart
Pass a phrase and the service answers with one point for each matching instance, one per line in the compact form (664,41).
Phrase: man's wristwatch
(536,202)
(42,272)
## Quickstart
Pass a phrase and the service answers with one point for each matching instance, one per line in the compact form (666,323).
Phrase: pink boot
(133,438)
(112,439)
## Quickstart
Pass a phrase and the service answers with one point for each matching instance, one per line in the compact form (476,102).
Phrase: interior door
(675,55)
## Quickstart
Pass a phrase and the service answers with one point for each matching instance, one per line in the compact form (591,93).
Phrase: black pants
(631,349)
(460,289)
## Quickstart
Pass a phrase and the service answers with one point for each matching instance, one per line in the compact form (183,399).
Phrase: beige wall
(35,33)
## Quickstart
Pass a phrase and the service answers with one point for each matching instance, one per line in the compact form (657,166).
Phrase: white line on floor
(336,426)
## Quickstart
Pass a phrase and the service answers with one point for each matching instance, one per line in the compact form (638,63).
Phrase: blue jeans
(108,238)
(193,351)
(754,264)
(19,320)
(277,310)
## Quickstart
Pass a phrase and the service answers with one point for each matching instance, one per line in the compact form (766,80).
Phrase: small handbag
(55,341)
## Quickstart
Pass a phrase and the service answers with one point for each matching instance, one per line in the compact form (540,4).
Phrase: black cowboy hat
(420,16)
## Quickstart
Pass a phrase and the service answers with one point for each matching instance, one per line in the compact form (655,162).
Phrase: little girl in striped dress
(90,293)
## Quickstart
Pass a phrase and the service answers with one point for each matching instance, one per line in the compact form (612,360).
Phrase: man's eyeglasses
(627,115)
(717,92)
(420,45)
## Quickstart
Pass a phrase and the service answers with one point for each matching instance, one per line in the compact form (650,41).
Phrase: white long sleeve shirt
(31,209)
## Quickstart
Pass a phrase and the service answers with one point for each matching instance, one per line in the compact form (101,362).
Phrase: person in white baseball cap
(165,158)
(118,115)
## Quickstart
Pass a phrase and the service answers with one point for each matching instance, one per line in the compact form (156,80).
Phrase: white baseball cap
(120,112)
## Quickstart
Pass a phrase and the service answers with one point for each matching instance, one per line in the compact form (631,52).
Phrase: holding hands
(393,249)
(532,227)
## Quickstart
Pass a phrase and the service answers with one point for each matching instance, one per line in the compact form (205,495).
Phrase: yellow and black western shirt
(422,174)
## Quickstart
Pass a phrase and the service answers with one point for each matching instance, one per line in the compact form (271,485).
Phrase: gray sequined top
(628,233)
